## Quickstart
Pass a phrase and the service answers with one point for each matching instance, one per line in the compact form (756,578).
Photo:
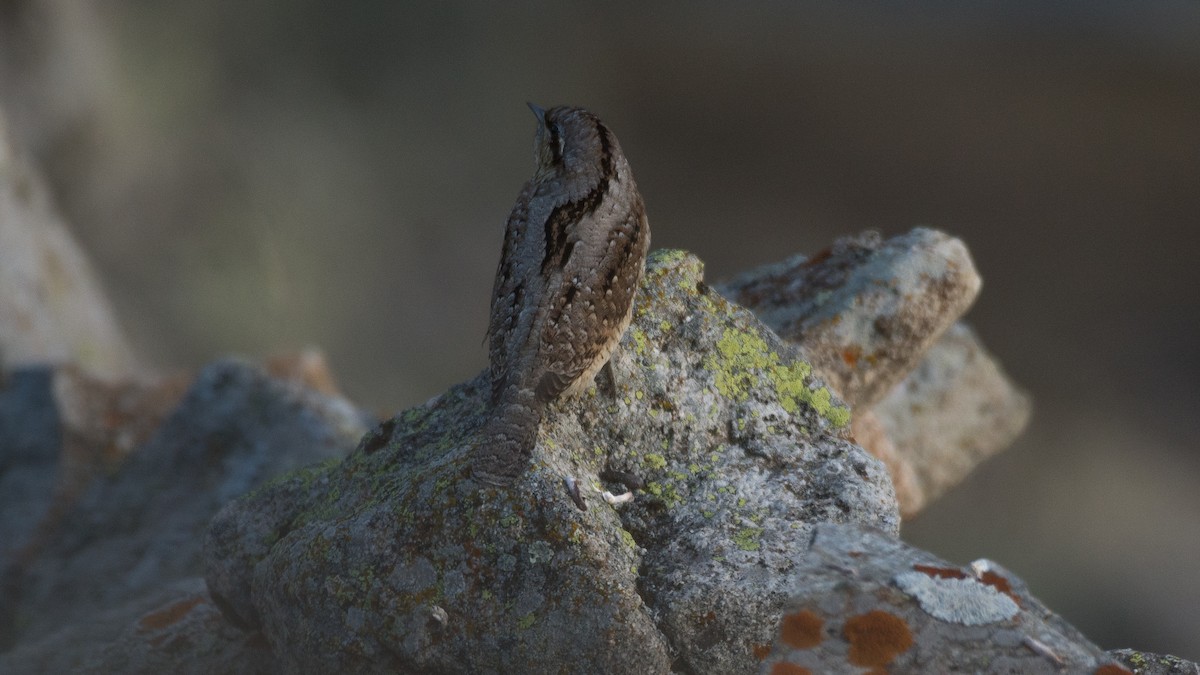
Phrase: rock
(877,320)
(865,310)
(868,601)
(956,409)
(868,431)
(142,527)
(757,535)
(52,309)
(1145,663)
(394,560)
(30,438)
(175,630)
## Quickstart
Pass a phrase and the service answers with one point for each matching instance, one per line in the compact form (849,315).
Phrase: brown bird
(574,251)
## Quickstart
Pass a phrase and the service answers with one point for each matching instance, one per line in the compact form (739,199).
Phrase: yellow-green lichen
(665,257)
(526,622)
(664,491)
(741,358)
(655,461)
(639,340)
(628,539)
(747,538)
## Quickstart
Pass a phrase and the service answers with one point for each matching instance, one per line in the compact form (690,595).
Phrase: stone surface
(1145,663)
(52,309)
(757,536)
(30,438)
(141,527)
(956,409)
(866,309)
(869,601)
(877,320)
(176,629)
(393,560)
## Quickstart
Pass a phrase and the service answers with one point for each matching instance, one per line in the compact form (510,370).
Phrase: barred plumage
(574,251)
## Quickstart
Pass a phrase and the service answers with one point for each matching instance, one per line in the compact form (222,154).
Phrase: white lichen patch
(963,601)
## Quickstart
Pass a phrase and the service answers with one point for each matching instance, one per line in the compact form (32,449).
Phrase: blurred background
(255,176)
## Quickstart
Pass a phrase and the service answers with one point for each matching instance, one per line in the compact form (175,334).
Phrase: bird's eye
(556,142)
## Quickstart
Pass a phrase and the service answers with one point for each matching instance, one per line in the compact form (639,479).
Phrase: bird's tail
(506,441)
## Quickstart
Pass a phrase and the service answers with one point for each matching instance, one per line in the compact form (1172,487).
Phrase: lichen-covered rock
(142,527)
(1145,663)
(393,560)
(870,602)
(865,310)
(877,321)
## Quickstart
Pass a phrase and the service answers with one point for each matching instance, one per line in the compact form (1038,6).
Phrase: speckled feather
(574,251)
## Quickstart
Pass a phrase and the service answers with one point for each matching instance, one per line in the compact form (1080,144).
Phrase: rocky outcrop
(395,560)
(705,511)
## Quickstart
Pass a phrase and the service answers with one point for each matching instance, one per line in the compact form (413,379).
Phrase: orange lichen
(801,630)
(760,651)
(785,668)
(169,615)
(941,572)
(876,638)
(1112,669)
(999,583)
(851,355)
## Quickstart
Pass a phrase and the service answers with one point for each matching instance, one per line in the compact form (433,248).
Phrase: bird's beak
(538,112)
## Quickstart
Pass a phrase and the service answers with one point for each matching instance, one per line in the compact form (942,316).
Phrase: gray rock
(758,536)
(877,320)
(174,629)
(865,310)
(141,528)
(393,560)
(29,444)
(868,601)
(1145,663)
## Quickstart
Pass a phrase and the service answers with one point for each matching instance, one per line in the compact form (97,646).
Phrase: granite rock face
(132,532)
(394,560)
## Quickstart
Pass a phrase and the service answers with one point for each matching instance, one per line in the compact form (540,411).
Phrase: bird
(574,252)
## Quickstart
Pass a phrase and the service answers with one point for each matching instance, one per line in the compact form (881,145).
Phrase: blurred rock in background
(253,176)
